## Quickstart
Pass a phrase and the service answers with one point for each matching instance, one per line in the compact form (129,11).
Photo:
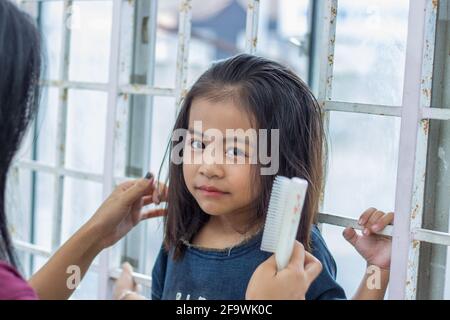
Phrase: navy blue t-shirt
(224,274)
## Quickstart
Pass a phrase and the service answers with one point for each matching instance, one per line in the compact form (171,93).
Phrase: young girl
(218,196)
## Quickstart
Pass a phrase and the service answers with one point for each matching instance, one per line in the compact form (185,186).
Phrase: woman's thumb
(297,260)
(126,266)
(138,190)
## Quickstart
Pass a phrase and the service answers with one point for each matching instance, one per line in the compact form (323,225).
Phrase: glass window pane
(437,201)
(143,243)
(283,33)
(24,260)
(81,199)
(51,25)
(164,113)
(122,138)
(18,203)
(155,230)
(218,32)
(362,155)
(166,43)
(38,262)
(370,51)
(88,288)
(437,173)
(43,209)
(46,126)
(86,126)
(91,23)
(30,217)
(350,265)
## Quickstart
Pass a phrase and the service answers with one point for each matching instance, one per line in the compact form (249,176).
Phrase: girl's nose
(211,170)
(212,161)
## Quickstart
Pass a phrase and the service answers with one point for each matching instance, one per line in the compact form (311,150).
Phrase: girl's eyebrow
(233,138)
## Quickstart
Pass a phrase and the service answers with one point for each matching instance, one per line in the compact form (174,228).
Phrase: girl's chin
(214,209)
(213,212)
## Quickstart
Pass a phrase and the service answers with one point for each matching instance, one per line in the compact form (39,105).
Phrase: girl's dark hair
(275,98)
(20,68)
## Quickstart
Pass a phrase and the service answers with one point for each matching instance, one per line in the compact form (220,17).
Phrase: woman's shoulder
(14,287)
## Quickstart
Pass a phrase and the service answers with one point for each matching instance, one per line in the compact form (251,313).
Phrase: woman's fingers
(127,269)
(125,280)
(138,288)
(303,261)
(146,200)
(313,267)
(155,196)
(136,212)
(160,193)
(149,199)
(289,283)
(153,214)
(145,188)
(124,186)
(139,189)
(269,266)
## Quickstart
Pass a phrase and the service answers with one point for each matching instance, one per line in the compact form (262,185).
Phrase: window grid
(61,130)
(109,154)
(428,16)
(410,195)
(149,9)
(413,138)
(252,26)
(407,232)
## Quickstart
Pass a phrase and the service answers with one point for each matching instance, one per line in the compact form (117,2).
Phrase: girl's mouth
(211,191)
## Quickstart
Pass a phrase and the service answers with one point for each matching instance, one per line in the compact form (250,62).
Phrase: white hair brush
(283,218)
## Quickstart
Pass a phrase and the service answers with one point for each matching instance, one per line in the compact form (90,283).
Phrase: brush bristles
(275,212)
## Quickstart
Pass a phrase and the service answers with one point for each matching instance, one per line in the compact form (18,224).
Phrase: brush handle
(291,221)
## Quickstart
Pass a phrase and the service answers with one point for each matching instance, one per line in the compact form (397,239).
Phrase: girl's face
(217,166)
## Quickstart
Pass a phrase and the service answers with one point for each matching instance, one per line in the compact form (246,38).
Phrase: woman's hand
(290,283)
(374,248)
(121,211)
(125,287)
(115,217)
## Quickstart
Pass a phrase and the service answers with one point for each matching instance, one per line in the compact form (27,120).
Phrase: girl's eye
(197,144)
(235,152)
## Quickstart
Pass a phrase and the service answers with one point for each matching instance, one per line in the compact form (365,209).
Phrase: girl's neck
(227,231)
(230,224)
